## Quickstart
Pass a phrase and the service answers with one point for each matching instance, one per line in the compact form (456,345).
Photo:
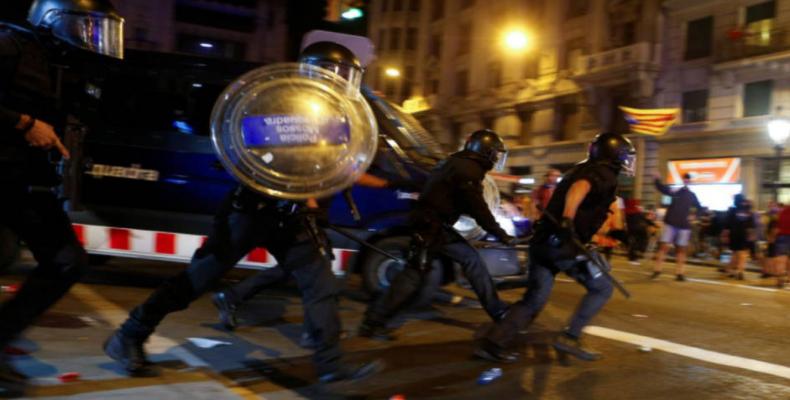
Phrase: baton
(352,205)
(581,247)
(365,243)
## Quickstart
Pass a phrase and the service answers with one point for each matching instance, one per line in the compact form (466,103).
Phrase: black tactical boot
(491,352)
(130,354)
(573,346)
(227,310)
(376,332)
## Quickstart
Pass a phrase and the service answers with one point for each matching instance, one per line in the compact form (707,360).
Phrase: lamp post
(778,130)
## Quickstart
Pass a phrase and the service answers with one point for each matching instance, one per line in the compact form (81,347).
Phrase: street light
(392,72)
(778,130)
(516,40)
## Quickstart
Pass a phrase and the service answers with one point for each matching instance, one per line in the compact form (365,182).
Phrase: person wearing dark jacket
(739,233)
(289,230)
(578,208)
(29,120)
(677,227)
(453,188)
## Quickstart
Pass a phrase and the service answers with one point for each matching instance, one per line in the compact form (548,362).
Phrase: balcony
(739,45)
(614,64)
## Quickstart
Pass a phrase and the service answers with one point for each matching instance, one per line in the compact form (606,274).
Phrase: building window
(576,8)
(695,106)
(435,48)
(757,98)
(699,38)
(395,39)
(411,39)
(384,4)
(760,24)
(414,5)
(398,5)
(461,83)
(760,12)
(494,74)
(382,38)
(464,39)
(438,10)
(467,3)
(389,88)
(408,83)
(574,50)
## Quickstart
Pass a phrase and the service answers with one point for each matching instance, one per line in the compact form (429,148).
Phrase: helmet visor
(629,165)
(351,74)
(500,161)
(97,33)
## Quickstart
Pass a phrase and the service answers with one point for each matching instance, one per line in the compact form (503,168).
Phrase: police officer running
(247,219)
(454,188)
(29,117)
(580,205)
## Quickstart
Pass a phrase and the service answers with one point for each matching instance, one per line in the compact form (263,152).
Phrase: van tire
(9,248)
(378,270)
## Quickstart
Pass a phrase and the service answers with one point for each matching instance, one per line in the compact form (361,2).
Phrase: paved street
(708,338)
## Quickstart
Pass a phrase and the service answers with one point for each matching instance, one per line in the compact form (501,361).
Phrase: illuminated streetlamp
(778,130)
(392,72)
(516,40)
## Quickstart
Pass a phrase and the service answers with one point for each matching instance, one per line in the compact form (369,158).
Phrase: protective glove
(564,234)
(507,240)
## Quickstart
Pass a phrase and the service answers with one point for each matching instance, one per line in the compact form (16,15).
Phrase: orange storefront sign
(706,170)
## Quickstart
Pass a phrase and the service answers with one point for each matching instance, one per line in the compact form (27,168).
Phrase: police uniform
(552,251)
(27,205)
(245,221)
(454,188)
(288,230)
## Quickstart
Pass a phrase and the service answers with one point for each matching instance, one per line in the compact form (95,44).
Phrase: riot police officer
(247,219)
(454,188)
(577,209)
(29,119)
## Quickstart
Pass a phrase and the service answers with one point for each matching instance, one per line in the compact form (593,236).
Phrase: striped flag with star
(650,122)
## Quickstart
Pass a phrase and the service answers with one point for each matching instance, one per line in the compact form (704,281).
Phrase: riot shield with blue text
(293,131)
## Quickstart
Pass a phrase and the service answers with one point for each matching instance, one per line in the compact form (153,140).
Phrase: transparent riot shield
(293,131)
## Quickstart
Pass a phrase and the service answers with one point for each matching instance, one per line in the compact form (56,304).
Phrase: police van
(144,182)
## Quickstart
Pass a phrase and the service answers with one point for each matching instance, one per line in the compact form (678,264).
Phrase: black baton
(581,247)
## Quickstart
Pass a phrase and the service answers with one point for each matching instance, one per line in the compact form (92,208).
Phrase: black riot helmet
(614,148)
(336,58)
(489,145)
(92,25)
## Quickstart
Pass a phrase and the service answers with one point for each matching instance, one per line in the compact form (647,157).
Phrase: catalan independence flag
(651,122)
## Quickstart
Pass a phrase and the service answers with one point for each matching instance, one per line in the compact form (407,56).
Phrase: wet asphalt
(720,339)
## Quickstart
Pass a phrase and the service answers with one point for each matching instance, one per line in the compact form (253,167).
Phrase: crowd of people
(732,238)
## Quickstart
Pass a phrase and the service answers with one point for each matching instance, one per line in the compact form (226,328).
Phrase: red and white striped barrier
(171,246)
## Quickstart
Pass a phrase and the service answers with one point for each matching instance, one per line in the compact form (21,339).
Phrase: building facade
(251,30)
(724,63)
(727,66)
(585,57)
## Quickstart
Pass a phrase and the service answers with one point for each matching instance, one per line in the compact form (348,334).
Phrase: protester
(739,233)
(638,225)
(542,195)
(677,229)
